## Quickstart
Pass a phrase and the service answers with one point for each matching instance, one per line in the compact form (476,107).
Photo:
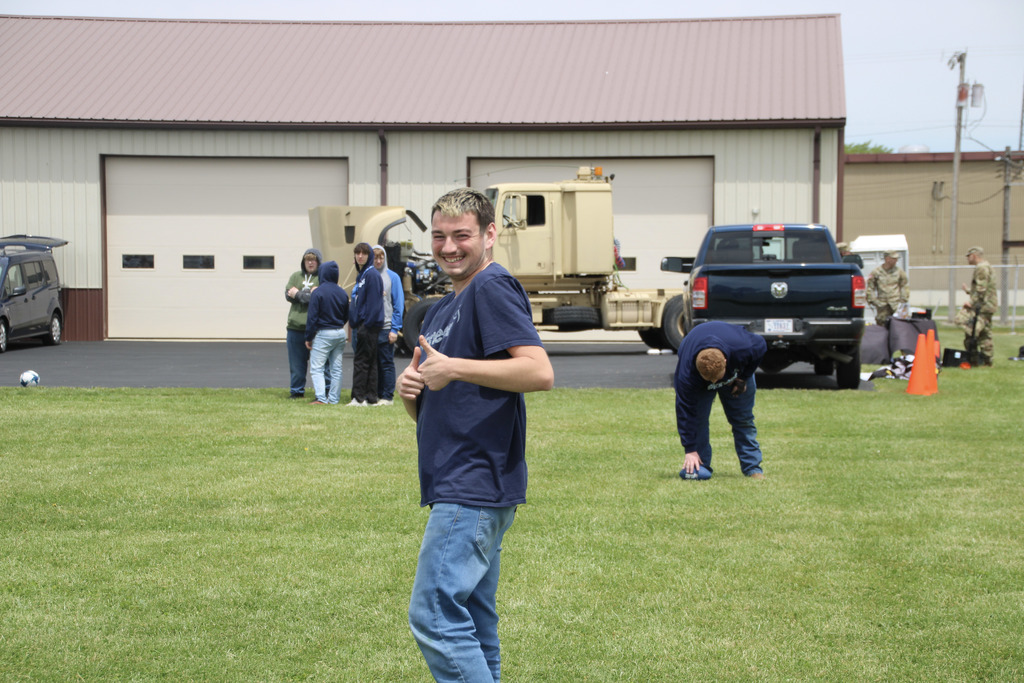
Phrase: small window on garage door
(257,263)
(197,261)
(145,261)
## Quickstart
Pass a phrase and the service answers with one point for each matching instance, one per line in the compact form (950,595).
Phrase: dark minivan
(29,289)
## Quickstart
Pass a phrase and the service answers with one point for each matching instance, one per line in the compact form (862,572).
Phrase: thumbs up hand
(435,367)
(410,382)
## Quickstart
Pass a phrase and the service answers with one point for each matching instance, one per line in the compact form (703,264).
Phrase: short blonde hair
(462,201)
(711,364)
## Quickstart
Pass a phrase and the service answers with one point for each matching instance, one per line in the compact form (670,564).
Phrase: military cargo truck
(557,239)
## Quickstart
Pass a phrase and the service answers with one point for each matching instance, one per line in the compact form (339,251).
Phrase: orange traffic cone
(922,375)
(938,350)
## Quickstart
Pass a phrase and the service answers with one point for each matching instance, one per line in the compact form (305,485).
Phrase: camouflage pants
(883,312)
(982,332)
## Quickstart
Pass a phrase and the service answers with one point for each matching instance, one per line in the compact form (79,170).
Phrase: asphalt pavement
(115,363)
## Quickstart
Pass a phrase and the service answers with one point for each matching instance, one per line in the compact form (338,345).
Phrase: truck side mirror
(677,264)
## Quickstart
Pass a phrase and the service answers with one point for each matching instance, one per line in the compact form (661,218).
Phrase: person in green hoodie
(297,292)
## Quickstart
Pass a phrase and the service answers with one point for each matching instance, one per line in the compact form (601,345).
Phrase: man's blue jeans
(328,346)
(452,612)
(739,410)
(298,358)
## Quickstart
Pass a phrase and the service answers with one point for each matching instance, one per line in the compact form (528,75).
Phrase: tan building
(911,194)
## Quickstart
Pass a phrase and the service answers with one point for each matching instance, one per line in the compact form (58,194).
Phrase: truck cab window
(771,249)
(511,211)
(535,214)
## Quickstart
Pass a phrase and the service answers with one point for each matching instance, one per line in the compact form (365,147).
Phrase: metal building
(911,195)
(179,157)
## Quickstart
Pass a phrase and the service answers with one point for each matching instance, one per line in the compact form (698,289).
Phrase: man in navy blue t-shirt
(717,358)
(478,352)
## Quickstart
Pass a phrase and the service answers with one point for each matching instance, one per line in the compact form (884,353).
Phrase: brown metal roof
(589,73)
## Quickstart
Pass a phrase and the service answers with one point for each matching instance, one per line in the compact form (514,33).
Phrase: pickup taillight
(859,292)
(699,295)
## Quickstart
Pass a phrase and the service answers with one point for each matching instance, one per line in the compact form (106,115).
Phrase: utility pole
(1007,176)
(961,102)
(1011,178)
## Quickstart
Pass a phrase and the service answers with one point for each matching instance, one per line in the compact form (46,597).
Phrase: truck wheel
(672,322)
(848,374)
(573,318)
(413,321)
(653,337)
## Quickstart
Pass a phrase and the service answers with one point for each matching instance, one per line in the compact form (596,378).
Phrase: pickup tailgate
(765,291)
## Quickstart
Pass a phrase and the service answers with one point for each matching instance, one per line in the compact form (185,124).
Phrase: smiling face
(460,247)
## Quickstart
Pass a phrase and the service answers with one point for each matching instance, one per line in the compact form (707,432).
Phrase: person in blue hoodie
(366,317)
(717,358)
(325,333)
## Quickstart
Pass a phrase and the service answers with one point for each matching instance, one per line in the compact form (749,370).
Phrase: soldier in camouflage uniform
(887,288)
(976,314)
(848,256)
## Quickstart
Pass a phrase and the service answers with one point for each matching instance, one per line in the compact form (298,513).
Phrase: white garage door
(202,248)
(663,206)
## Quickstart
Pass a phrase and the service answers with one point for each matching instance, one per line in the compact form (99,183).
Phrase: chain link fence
(930,288)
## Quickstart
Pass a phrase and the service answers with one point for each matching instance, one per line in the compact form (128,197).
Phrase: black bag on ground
(903,334)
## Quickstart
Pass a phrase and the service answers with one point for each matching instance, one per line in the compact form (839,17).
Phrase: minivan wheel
(52,338)
(3,336)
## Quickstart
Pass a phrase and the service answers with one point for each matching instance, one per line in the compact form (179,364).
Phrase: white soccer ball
(29,378)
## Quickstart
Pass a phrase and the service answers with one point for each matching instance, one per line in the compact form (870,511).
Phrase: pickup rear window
(773,247)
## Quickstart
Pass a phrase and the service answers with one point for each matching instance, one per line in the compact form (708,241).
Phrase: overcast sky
(899,89)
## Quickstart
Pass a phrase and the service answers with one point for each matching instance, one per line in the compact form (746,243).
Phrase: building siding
(50,178)
(51,184)
(892,196)
(771,170)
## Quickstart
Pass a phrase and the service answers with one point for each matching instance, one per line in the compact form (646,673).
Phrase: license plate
(778,326)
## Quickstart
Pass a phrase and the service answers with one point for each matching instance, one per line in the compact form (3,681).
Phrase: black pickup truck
(786,283)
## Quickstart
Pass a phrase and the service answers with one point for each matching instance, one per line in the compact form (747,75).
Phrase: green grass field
(233,535)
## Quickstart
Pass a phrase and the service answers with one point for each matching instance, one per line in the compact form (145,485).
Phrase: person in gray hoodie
(394,303)
(325,333)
